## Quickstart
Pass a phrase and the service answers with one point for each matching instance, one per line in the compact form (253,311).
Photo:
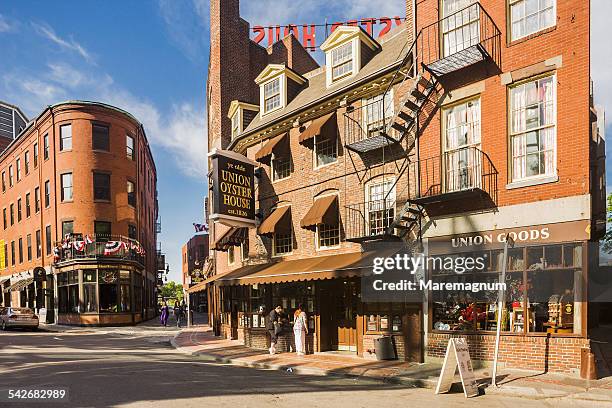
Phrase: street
(139,368)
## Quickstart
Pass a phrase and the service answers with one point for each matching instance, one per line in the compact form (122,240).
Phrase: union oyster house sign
(233,189)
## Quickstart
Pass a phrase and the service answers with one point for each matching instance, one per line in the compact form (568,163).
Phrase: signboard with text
(457,355)
(233,189)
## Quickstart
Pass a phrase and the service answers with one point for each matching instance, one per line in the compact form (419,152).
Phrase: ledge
(532,182)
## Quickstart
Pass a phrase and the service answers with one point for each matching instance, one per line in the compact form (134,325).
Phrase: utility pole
(509,242)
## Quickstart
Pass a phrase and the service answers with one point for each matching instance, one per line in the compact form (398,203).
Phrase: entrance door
(345,315)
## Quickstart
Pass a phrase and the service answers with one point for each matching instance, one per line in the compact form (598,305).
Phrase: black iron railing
(370,219)
(98,246)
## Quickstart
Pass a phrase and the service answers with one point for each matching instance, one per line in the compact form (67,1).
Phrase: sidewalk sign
(457,354)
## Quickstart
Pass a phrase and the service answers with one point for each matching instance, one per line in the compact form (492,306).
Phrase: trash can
(383,347)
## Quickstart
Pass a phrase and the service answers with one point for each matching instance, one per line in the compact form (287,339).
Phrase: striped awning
(19,285)
(234,236)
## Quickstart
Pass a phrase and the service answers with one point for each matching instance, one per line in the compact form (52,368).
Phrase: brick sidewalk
(200,341)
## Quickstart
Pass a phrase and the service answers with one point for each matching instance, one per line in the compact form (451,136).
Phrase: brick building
(79,208)
(469,123)
(195,267)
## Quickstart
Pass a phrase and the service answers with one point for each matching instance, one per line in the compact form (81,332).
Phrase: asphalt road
(143,370)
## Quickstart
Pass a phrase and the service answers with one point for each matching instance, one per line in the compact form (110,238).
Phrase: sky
(150,58)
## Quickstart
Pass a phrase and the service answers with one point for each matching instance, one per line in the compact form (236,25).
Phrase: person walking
(274,327)
(300,330)
(164,314)
(178,313)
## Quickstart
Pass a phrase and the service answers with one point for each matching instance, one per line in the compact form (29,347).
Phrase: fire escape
(382,136)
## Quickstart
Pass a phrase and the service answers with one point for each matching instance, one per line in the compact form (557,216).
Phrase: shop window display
(107,281)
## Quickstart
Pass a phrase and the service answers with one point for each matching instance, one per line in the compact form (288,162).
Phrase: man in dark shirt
(274,326)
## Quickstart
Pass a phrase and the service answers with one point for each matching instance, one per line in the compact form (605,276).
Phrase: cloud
(47,31)
(186,25)
(6,26)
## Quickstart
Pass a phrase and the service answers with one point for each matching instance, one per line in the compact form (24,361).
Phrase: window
(66,182)
(29,246)
(20,250)
(530,16)
(100,138)
(11,176)
(47,194)
(46,146)
(380,211)
(129,147)
(132,231)
(272,95)
(67,228)
(231,258)
(342,61)
(532,129)
(3,181)
(373,108)
(90,298)
(463,167)
(281,168)
(68,292)
(26,162)
(48,239)
(7,255)
(35,155)
(65,137)
(244,250)
(282,244)
(38,245)
(131,193)
(460,30)
(19,210)
(4,217)
(13,258)
(108,282)
(18,165)
(12,211)
(37,199)
(27,205)
(101,182)
(236,123)
(102,227)
(328,235)
(326,150)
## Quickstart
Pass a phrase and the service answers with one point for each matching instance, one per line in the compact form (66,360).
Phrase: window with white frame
(376,112)
(533,134)
(326,149)
(530,16)
(461,145)
(281,167)
(282,243)
(342,61)
(236,123)
(460,25)
(244,250)
(328,236)
(380,197)
(230,255)
(272,96)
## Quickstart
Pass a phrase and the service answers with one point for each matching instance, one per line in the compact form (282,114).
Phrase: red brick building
(468,123)
(79,200)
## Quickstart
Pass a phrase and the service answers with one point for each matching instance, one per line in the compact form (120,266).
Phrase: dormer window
(236,124)
(342,61)
(272,96)
(278,85)
(347,50)
(241,114)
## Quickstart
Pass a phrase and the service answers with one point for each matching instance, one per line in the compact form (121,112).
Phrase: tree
(172,290)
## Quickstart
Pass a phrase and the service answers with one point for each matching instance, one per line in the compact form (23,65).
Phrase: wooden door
(346,315)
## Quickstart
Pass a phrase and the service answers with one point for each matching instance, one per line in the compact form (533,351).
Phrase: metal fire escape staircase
(399,126)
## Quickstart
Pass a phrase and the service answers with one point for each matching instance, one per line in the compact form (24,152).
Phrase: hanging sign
(457,355)
(233,189)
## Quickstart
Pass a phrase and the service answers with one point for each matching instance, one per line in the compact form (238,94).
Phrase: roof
(393,50)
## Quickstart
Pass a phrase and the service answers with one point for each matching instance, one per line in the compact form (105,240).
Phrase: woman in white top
(300,330)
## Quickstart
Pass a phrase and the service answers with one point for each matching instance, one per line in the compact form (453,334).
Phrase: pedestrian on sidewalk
(300,330)
(164,314)
(275,327)
(178,313)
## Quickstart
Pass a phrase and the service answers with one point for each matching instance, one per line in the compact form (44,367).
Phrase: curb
(410,382)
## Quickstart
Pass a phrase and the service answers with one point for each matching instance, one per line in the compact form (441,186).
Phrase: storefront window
(68,292)
(137,293)
(107,280)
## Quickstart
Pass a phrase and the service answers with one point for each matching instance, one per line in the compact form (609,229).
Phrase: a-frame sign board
(457,355)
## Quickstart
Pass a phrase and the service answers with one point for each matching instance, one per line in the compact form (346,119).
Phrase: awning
(315,128)
(244,270)
(233,236)
(19,285)
(271,146)
(278,221)
(4,279)
(323,267)
(323,211)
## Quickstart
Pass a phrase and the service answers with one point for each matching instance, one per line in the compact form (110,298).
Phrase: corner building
(468,123)
(79,207)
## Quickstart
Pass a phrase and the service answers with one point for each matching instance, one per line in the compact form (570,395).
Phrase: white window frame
(65,137)
(316,143)
(345,59)
(132,155)
(266,96)
(379,181)
(242,248)
(276,254)
(513,134)
(538,13)
(272,167)
(236,128)
(65,188)
(373,117)
(468,23)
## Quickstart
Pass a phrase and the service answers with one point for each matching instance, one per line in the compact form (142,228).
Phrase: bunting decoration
(112,247)
(200,227)
(88,240)
(79,245)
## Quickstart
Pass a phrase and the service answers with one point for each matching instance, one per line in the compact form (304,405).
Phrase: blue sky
(150,58)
